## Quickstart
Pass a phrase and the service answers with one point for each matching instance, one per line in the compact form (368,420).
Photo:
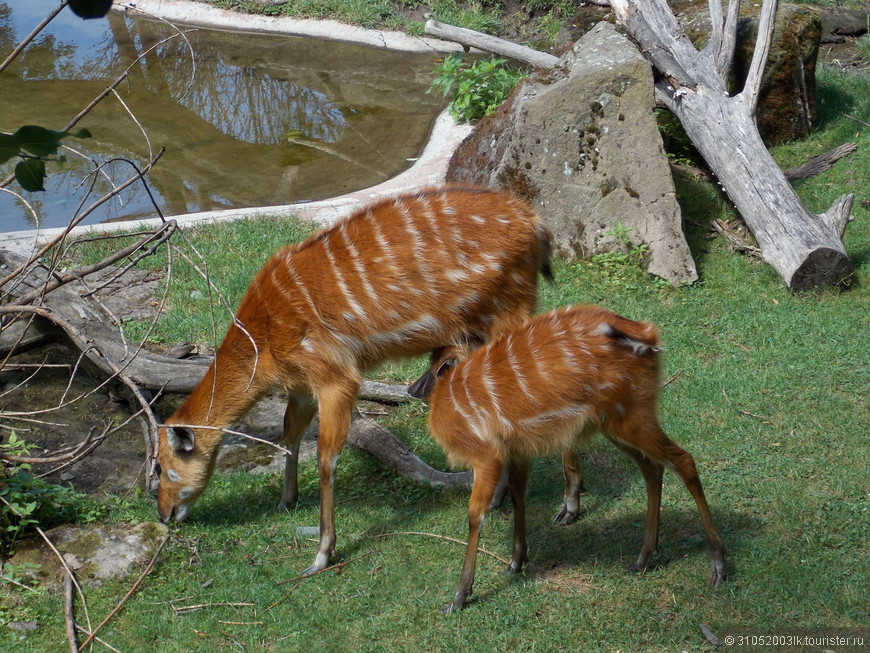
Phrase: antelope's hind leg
(683,464)
(573,489)
(650,450)
(518,482)
(652,476)
(298,415)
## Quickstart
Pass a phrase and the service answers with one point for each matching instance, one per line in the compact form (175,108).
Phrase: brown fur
(394,279)
(539,389)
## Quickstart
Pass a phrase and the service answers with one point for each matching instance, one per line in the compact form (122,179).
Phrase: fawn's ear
(422,388)
(180,438)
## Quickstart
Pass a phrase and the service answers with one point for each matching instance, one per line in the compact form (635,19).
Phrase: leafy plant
(34,146)
(477,88)
(27,501)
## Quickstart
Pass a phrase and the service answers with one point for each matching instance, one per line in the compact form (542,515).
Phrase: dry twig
(288,593)
(441,537)
(69,614)
(740,410)
(203,606)
(317,573)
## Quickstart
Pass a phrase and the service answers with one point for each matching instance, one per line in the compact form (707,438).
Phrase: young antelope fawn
(395,279)
(538,390)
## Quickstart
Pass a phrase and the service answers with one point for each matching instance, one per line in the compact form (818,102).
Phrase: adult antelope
(393,280)
(539,389)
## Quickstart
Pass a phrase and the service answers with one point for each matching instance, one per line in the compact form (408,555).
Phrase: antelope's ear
(180,438)
(443,366)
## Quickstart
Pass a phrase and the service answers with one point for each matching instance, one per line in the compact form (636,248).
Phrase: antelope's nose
(167,516)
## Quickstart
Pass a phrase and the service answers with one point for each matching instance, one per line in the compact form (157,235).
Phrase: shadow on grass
(597,539)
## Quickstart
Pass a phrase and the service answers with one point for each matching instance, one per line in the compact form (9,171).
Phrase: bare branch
(33,34)
(152,239)
(130,593)
(723,38)
(69,613)
(766,23)
(664,42)
(717,24)
(472,39)
(140,176)
(53,459)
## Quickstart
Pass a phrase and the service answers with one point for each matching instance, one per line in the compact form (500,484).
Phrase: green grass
(768,389)
(769,392)
(540,18)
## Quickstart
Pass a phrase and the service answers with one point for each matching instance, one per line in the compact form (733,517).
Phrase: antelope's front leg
(336,406)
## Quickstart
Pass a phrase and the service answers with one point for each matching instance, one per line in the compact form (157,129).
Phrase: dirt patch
(565,579)
(846,56)
(52,414)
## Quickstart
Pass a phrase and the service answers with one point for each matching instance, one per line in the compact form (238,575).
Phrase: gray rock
(92,552)
(581,143)
(787,98)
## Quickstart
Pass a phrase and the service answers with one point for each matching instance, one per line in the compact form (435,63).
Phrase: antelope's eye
(157,469)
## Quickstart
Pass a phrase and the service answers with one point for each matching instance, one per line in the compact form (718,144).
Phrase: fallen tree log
(469,38)
(367,435)
(806,249)
(821,162)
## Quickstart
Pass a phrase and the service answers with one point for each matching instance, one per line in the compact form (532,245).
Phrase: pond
(247,120)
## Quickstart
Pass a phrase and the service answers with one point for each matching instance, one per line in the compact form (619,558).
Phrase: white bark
(472,39)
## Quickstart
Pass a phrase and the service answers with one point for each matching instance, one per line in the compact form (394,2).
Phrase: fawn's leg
(486,477)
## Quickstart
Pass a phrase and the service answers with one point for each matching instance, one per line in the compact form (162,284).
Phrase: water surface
(249,120)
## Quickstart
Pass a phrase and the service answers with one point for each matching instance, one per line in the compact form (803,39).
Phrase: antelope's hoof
(514,568)
(636,568)
(719,575)
(309,571)
(457,603)
(565,517)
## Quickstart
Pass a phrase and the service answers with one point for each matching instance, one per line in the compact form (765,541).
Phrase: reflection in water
(259,120)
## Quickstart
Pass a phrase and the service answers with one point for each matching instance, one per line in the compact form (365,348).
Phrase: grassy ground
(768,390)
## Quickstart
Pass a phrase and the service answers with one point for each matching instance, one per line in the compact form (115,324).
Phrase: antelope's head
(183,468)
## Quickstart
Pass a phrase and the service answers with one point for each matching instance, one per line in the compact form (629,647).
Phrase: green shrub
(28,501)
(477,88)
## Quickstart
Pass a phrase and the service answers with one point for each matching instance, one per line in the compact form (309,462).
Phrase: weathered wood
(821,162)
(805,249)
(367,435)
(472,39)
